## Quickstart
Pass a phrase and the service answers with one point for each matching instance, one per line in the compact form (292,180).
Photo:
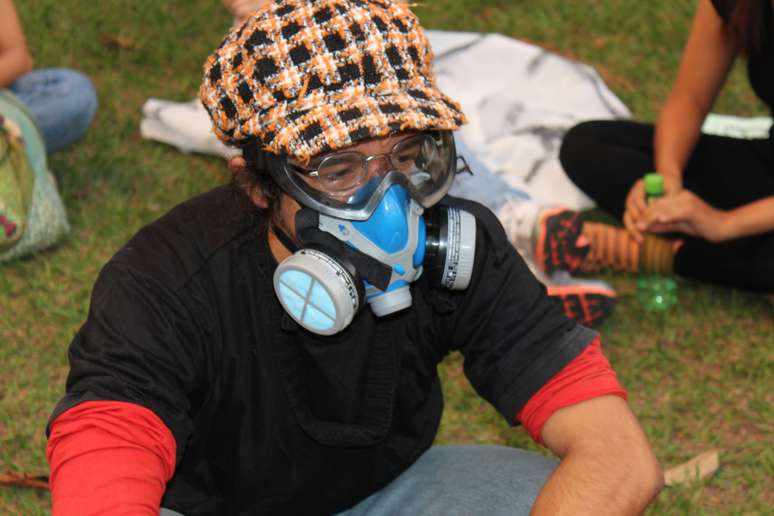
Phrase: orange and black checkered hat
(307,76)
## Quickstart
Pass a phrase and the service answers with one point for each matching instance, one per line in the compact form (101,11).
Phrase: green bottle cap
(654,184)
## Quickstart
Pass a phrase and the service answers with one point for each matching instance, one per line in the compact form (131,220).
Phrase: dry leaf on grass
(115,41)
(23,480)
(698,468)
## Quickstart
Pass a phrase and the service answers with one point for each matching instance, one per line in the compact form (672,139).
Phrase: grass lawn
(698,378)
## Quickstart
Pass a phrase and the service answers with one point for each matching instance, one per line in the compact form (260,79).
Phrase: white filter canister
(390,302)
(316,291)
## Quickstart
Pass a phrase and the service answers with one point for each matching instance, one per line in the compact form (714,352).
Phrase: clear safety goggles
(347,185)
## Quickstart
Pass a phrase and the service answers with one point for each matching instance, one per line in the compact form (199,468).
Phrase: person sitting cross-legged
(718,204)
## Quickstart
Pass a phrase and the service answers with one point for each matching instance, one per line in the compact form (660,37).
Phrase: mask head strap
(309,233)
(284,238)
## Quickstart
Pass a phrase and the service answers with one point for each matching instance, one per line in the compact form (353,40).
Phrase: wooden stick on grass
(11,479)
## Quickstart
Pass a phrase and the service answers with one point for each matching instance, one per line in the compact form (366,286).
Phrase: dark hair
(256,176)
(749,21)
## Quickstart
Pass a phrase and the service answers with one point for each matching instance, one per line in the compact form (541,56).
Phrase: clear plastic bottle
(655,292)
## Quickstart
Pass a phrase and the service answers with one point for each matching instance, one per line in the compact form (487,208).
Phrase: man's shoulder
(180,243)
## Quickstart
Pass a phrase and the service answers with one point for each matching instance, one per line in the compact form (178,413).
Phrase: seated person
(719,196)
(63,101)
(271,346)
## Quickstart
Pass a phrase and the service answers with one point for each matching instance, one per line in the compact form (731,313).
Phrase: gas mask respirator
(369,243)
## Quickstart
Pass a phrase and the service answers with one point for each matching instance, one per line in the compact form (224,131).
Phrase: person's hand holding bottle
(634,217)
(685,212)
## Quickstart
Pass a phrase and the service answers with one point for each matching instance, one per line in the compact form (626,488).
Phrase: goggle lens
(416,157)
(343,184)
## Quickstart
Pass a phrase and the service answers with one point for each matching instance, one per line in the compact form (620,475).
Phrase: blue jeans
(469,480)
(63,101)
(483,185)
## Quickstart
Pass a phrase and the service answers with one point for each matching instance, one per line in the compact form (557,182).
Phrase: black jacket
(270,419)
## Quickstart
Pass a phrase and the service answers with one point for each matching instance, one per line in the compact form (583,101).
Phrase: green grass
(700,378)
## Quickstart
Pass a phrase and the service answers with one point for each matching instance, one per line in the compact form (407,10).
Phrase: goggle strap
(463,167)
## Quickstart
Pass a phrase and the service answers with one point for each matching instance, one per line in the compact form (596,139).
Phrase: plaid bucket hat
(302,77)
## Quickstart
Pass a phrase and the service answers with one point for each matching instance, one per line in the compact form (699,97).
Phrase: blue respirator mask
(365,236)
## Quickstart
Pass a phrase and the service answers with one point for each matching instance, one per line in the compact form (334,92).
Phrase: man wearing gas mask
(271,346)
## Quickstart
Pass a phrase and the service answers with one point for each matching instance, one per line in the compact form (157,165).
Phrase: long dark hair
(750,22)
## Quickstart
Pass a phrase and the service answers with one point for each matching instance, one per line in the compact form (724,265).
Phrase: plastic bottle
(655,292)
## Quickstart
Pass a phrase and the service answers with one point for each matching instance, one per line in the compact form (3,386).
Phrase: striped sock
(612,247)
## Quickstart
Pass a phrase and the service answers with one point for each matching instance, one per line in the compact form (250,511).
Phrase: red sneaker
(586,302)
(559,244)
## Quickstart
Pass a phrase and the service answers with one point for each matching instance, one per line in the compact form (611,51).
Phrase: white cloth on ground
(520,99)
(185,125)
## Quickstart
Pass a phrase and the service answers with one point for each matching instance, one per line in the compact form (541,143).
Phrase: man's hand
(607,464)
(686,213)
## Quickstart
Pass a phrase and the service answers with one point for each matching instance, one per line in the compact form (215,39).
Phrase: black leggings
(606,158)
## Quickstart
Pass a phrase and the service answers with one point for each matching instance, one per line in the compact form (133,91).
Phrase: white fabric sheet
(520,100)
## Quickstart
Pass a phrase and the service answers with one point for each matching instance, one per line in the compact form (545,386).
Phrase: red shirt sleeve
(109,458)
(588,376)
